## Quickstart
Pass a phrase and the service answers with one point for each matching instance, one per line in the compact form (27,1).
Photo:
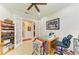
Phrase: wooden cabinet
(51,47)
(6,37)
(0,40)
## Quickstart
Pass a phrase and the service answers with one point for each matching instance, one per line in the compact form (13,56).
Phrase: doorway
(28,30)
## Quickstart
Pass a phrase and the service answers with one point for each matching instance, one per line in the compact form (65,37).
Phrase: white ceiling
(45,10)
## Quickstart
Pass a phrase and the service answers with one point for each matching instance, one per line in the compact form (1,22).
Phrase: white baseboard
(18,45)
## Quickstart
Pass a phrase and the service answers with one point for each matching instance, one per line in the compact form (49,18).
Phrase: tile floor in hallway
(24,49)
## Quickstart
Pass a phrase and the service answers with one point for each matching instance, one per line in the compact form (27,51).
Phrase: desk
(50,47)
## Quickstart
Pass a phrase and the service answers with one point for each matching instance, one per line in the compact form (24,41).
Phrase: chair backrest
(69,37)
(66,40)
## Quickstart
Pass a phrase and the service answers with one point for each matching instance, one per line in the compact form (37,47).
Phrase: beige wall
(26,24)
(26,33)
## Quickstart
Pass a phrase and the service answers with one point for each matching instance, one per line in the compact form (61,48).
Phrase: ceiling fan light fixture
(38,13)
(35,5)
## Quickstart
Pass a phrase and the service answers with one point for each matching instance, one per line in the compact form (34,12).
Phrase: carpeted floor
(24,49)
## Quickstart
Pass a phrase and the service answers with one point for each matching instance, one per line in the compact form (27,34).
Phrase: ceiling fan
(35,5)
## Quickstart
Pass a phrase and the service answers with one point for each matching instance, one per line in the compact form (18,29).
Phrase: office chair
(65,43)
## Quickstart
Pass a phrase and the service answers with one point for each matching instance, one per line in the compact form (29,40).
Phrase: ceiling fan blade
(30,7)
(41,3)
(37,8)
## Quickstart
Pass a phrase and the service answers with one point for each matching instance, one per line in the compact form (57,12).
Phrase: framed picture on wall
(53,24)
(29,28)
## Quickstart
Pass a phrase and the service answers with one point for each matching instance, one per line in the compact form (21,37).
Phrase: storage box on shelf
(6,36)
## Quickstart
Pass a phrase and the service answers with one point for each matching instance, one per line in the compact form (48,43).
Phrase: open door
(34,31)
(28,30)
